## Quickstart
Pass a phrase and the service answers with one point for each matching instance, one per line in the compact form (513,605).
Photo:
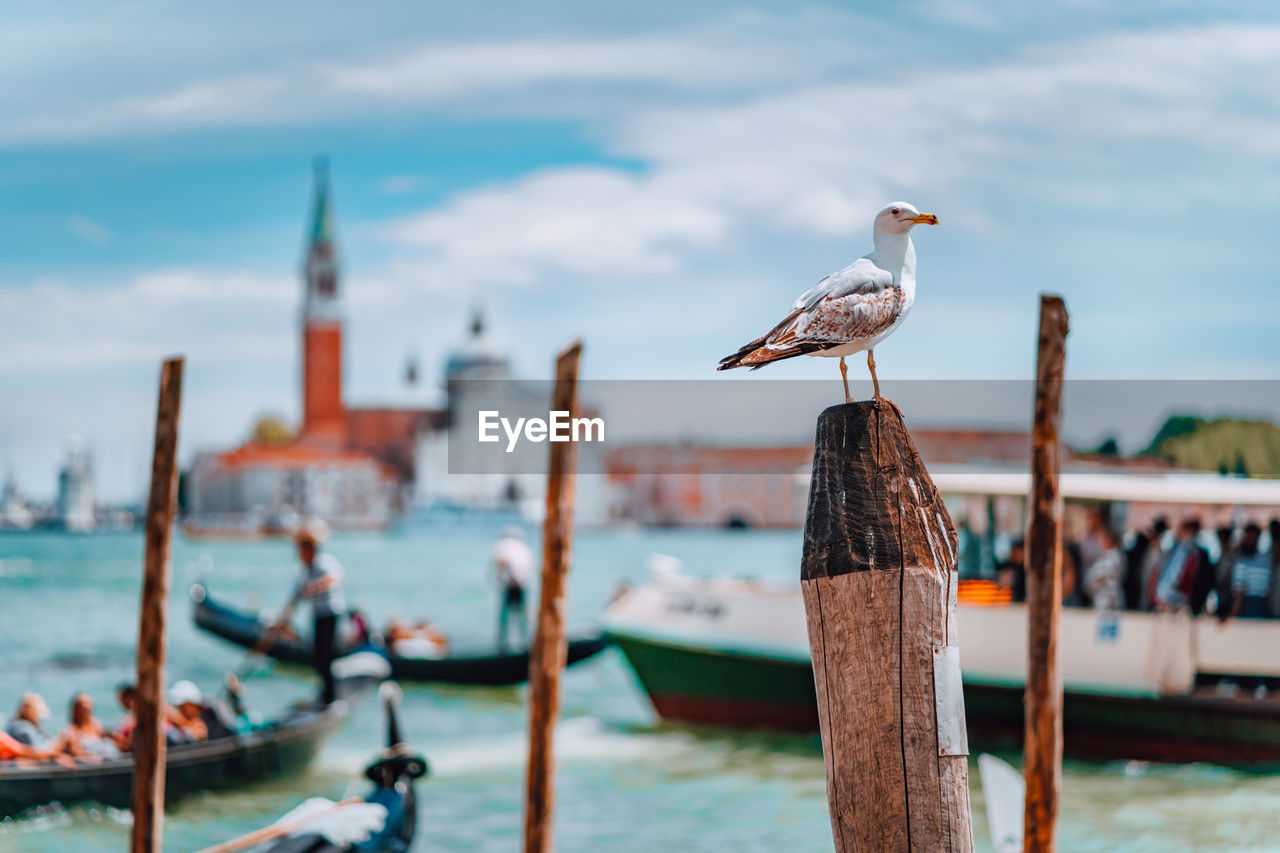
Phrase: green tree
(1226,445)
(271,430)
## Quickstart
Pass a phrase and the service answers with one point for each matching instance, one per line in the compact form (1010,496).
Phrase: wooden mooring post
(1042,751)
(549,651)
(879,579)
(148,737)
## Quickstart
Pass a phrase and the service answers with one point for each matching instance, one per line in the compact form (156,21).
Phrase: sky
(662,179)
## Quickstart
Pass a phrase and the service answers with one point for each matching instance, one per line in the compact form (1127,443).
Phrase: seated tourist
(126,694)
(187,700)
(84,737)
(11,749)
(360,632)
(25,727)
(415,641)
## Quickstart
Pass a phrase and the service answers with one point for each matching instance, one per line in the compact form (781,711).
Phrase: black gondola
(383,822)
(488,666)
(275,749)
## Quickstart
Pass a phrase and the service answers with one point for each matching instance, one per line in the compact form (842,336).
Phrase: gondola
(488,666)
(274,749)
(382,821)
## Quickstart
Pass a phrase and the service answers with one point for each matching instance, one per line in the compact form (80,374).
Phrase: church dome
(477,358)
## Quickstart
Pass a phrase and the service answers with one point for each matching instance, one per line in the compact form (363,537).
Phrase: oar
(250,662)
(277,830)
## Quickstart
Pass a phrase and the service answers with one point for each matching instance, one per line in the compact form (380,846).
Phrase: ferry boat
(1137,685)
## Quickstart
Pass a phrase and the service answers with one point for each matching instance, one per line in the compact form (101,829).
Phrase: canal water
(626,781)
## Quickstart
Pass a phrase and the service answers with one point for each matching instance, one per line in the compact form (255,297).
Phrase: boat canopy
(1180,487)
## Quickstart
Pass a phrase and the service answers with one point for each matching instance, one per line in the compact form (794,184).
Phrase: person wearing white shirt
(1104,579)
(513,561)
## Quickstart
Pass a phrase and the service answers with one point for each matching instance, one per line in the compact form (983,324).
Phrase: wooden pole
(1042,752)
(547,656)
(879,578)
(148,737)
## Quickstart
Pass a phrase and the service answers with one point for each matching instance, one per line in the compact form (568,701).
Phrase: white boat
(1165,687)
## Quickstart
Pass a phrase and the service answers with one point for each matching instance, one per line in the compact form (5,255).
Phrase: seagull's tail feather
(757,354)
(778,343)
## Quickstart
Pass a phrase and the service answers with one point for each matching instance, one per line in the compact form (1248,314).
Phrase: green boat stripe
(790,654)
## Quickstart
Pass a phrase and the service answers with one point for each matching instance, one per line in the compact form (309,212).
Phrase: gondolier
(514,564)
(320,584)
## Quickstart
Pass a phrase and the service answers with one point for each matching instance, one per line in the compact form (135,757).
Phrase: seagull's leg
(844,374)
(871,365)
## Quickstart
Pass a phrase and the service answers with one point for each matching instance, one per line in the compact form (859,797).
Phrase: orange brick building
(351,467)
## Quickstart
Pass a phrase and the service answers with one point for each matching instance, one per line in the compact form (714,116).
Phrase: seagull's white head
(900,217)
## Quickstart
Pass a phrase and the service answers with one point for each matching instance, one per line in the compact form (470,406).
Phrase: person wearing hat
(186,699)
(319,584)
(514,563)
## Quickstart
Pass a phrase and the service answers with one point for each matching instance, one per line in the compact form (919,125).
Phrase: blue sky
(662,178)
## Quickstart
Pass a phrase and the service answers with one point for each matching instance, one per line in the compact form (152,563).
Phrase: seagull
(851,310)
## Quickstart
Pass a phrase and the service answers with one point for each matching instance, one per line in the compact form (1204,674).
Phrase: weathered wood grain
(147,833)
(878,576)
(1042,752)
(550,649)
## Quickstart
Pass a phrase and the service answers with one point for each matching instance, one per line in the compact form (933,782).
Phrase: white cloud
(818,159)
(53,325)
(586,77)
(578,220)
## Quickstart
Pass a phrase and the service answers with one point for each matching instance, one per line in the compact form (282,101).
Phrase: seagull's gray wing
(855,304)
(861,276)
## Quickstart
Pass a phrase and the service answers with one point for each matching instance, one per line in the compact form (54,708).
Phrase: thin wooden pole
(148,736)
(547,657)
(1042,751)
(879,578)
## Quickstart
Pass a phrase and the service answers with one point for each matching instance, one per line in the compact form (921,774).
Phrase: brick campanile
(323,414)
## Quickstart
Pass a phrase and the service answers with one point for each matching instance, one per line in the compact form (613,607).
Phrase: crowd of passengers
(188,717)
(1163,569)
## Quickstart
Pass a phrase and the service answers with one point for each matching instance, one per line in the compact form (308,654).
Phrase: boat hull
(271,752)
(722,688)
(486,667)
(708,686)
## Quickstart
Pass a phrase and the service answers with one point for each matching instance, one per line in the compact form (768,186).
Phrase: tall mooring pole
(1042,751)
(879,579)
(148,738)
(549,651)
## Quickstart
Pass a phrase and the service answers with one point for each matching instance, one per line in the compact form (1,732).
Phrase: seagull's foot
(844,375)
(885,400)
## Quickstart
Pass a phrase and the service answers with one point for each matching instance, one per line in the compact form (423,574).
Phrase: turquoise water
(626,782)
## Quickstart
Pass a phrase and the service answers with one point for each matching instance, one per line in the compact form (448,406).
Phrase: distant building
(362,467)
(477,377)
(75,503)
(344,466)
(15,514)
(697,485)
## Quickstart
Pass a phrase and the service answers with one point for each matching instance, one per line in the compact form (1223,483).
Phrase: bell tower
(322,409)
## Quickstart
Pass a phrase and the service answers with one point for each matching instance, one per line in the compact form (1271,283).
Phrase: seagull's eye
(895,211)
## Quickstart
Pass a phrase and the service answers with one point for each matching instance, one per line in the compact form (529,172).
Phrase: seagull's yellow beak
(926,218)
